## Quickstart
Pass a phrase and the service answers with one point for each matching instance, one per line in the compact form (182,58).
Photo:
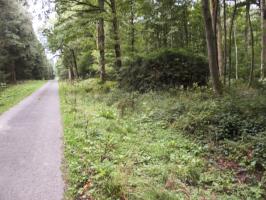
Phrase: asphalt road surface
(31,148)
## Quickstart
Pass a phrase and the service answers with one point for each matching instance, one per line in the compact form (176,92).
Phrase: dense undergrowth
(163,145)
(10,95)
(164,69)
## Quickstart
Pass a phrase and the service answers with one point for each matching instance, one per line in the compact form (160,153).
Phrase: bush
(227,118)
(168,68)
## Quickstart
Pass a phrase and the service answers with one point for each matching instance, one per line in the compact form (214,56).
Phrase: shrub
(168,68)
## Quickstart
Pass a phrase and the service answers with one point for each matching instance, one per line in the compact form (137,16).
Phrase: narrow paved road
(31,148)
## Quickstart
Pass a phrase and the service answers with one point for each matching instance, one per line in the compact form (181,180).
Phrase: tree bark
(212,49)
(220,45)
(263,39)
(75,62)
(251,76)
(236,52)
(101,42)
(132,23)
(13,73)
(71,74)
(230,42)
(117,45)
(216,23)
(225,42)
(247,38)
(185,22)
(213,10)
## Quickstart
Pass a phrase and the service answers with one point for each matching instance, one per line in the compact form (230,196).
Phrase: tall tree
(101,41)
(251,75)
(117,45)
(211,45)
(220,43)
(21,54)
(216,23)
(230,41)
(225,40)
(132,27)
(263,38)
(236,52)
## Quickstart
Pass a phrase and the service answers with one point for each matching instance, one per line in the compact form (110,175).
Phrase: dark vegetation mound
(168,68)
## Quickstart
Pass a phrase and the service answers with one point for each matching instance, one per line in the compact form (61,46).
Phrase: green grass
(13,94)
(161,145)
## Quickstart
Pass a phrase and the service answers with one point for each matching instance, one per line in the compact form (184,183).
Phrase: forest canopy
(105,37)
(22,56)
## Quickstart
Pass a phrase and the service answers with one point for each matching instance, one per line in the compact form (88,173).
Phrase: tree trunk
(214,14)
(101,42)
(185,24)
(132,23)
(165,35)
(225,42)
(75,63)
(251,76)
(216,23)
(117,47)
(247,39)
(230,42)
(213,10)
(236,52)
(71,74)
(211,45)
(263,38)
(220,45)
(13,73)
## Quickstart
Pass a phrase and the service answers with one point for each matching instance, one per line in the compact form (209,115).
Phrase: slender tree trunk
(132,24)
(230,42)
(185,21)
(75,63)
(71,74)
(158,44)
(263,38)
(247,39)
(165,35)
(211,45)
(251,76)
(213,10)
(225,42)
(216,21)
(117,46)
(101,42)
(236,52)
(220,45)
(13,73)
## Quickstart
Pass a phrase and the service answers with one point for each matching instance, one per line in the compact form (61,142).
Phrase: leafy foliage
(169,68)
(143,26)
(21,54)
(156,145)
(232,118)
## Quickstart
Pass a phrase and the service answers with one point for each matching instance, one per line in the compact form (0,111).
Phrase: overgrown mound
(168,68)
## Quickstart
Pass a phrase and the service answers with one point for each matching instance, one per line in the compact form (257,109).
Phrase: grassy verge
(163,145)
(13,94)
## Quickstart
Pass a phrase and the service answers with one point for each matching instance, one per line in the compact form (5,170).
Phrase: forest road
(31,148)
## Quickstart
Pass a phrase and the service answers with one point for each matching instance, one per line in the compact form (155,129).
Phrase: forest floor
(166,145)
(10,95)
